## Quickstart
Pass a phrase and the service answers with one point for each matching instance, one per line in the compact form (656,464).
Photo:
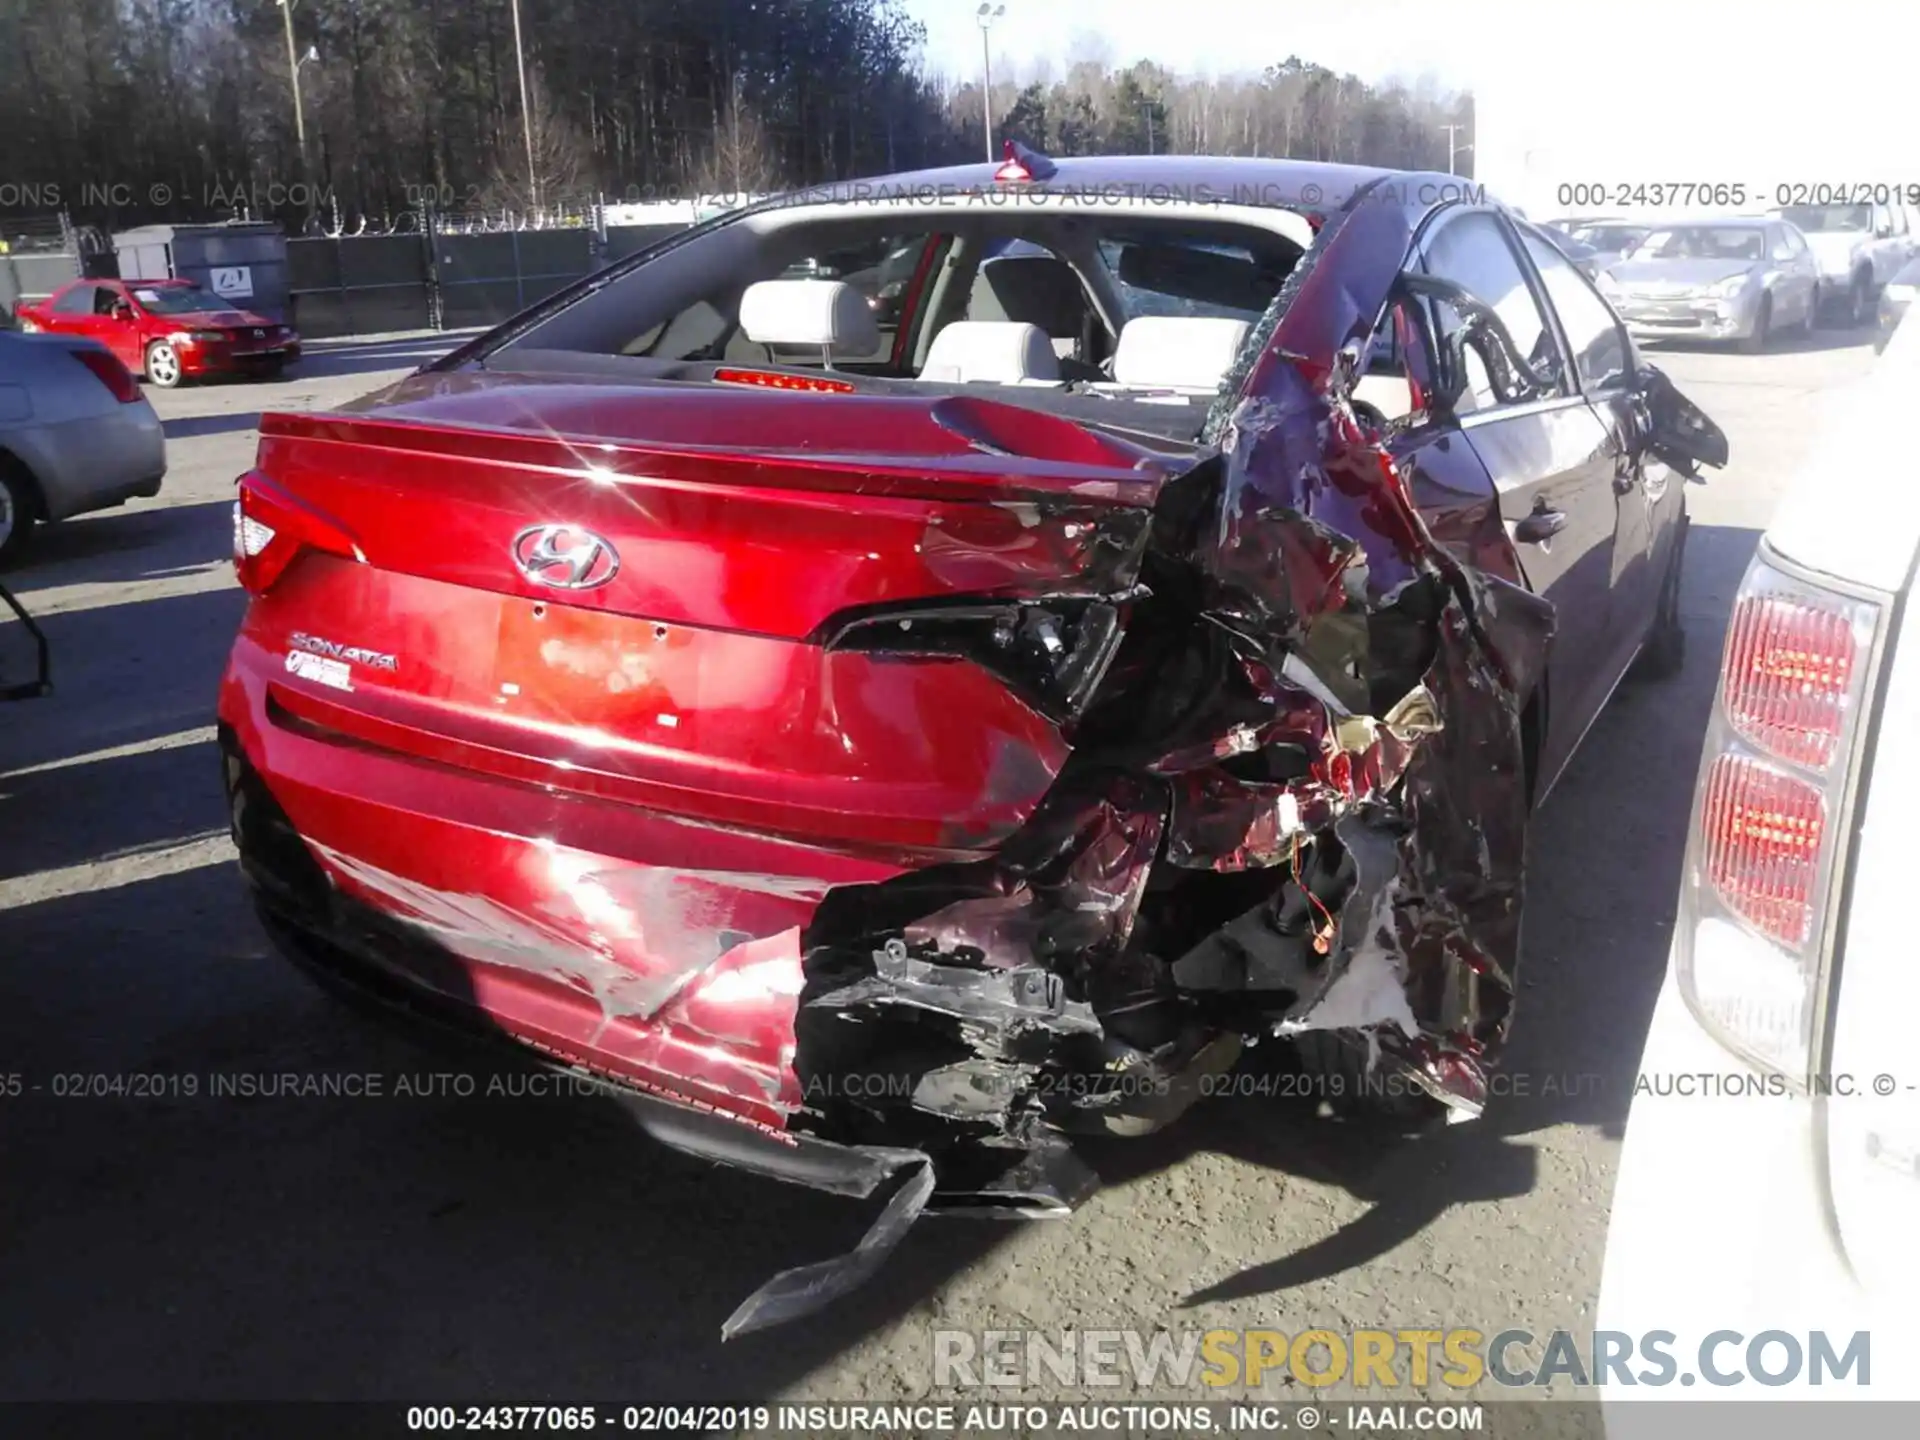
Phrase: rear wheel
(19,507)
(1859,301)
(1664,653)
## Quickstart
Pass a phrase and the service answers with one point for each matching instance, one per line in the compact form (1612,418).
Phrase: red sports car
(896,740)
(170,331)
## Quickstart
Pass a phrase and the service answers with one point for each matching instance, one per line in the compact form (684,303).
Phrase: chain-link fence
(416,270)
(448,271)
(38,254)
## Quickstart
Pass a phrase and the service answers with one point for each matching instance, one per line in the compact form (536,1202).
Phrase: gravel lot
(433,1246)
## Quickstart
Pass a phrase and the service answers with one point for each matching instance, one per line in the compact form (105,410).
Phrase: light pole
(987,15)
(526,113)
(1453,149)
(295,60)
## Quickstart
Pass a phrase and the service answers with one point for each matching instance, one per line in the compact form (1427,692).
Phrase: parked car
(1895,298)
(902,757)
(76,435)
(170,331)
(1585,258)
(1768,1169)
(1859,248)
(1734,279)
(1610,240)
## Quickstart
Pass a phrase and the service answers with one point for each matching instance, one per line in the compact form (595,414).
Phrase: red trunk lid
(691,679)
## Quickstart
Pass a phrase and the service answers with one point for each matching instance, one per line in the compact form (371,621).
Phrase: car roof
(1315,185)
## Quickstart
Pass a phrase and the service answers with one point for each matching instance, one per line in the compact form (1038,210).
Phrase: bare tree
(559,159)
(741,159)
(417,102)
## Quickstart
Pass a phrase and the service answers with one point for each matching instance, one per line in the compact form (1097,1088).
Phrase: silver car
(76,434)
(1740,279)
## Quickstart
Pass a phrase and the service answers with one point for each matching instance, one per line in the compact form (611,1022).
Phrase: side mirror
(1677,430)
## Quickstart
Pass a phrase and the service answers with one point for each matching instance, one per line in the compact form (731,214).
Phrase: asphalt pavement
(162,1240)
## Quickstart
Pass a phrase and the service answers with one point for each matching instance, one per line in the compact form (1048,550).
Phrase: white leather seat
(1187,354)
(1001,351)
(826,314)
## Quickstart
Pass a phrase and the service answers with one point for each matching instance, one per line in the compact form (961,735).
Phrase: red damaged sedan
(170,331)
(888,739)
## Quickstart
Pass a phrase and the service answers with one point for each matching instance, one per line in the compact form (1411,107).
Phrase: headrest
(824,313)
(1031,289)
(1164,352)
(996,350)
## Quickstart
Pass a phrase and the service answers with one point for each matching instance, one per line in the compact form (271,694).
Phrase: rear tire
(19,509)
(1664,654)
(1859,302)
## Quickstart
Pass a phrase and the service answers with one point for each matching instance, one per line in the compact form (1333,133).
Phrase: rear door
(1648,494)
(1552,460)
(70,311)
(1795,263)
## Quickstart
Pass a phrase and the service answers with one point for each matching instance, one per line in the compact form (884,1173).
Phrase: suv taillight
(1770,811)
(111,373)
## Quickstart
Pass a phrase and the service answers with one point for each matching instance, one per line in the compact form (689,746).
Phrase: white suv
(1769,1179)
(1859,248)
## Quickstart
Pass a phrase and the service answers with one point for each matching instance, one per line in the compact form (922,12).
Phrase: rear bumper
(694,1074)
(660,954)
(343,959)
(1720,1226)
(97,462)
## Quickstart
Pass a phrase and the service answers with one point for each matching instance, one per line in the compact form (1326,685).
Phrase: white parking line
(177,741)
(129,868)
(92,595)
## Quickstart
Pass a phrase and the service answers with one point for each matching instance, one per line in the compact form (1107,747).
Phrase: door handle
(1540,527)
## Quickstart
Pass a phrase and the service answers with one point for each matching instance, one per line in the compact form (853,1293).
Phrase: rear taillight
(1053,653)
(110,373)
(1770,811)
(1789,668)
(271,527)
(1760,836)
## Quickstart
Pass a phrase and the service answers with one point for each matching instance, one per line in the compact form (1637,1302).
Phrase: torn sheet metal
(798,1292)
(1296,801)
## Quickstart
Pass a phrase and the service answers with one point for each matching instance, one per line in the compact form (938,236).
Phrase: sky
(1375,39)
